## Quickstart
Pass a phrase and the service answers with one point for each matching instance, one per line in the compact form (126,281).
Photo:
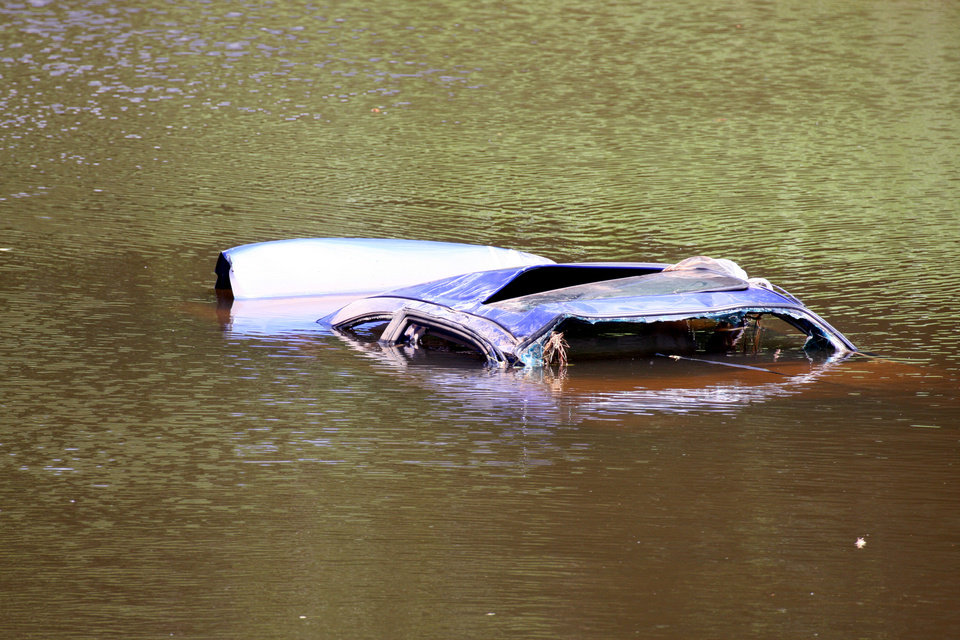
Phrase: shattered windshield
(652,284)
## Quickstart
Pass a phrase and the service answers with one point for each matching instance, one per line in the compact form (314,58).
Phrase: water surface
(169,472)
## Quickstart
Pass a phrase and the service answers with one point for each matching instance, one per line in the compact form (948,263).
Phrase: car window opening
(418,339)
(752,335)
(550,277)
(439,340)
(369,331)
(660,283)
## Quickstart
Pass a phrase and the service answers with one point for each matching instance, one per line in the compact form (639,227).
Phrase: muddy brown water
(167,473)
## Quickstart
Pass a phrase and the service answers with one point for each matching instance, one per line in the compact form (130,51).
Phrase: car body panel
(325,266)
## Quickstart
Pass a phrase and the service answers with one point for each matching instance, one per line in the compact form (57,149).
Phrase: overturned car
(545,314)
(535,312)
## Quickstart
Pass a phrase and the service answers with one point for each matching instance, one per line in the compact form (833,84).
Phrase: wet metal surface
(167,470)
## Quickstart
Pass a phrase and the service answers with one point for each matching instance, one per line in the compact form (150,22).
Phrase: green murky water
(164,477)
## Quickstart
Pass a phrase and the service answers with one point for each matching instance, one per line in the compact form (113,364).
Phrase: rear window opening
(659,283)
(754,335)
(418,339)
(550,277)
(434,340)
(369,331)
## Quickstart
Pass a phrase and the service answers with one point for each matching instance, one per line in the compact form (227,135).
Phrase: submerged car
(533,312)
(543,314)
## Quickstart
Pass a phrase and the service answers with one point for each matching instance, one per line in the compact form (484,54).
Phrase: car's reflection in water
(658,384)
(652,384)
